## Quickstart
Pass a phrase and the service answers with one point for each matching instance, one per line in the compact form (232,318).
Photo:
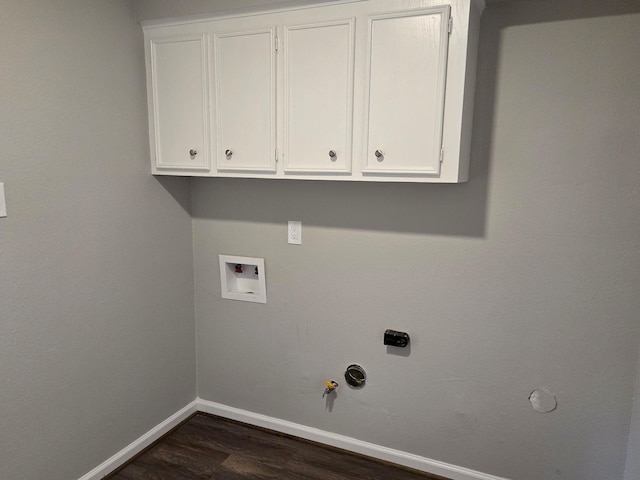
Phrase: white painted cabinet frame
(370,90)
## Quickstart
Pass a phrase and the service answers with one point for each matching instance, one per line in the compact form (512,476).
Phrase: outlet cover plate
(3,203)
(294,232)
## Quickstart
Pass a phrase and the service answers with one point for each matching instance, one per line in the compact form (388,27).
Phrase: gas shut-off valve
(331,386)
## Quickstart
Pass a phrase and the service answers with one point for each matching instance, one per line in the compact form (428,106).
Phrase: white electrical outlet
(295,232)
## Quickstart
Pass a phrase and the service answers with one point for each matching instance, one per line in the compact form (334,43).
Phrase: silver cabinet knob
(332,154)
(228,152)
(379,153)
(193,152)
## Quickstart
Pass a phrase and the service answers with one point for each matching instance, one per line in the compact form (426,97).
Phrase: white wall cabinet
(245,101)
(318,97)
(407,55)
(178,108)
(371,90)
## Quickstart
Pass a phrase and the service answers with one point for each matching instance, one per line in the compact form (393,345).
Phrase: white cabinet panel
(318,98)
(244,69)
(406,79)
(178,94)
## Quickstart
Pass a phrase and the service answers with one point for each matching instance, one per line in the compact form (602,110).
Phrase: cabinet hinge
(277,44)
(276,155)
(442,155)
(450,25)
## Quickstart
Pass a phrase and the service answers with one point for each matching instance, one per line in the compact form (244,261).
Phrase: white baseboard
(283,426)
(141,443)
(346,443)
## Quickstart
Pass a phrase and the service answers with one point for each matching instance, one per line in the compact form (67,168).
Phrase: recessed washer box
(243,278)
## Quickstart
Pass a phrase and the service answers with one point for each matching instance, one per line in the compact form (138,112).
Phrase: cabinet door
(318,97)
(180,110)
(406,79)
(245,100)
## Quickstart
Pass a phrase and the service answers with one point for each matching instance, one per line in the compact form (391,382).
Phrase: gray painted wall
(527,276)
(96,323)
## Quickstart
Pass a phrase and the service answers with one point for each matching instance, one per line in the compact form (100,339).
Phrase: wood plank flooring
(207,447)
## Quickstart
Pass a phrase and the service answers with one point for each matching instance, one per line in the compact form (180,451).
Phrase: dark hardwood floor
(207,447)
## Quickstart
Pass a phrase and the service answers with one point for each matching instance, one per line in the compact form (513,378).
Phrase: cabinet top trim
(276,7)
